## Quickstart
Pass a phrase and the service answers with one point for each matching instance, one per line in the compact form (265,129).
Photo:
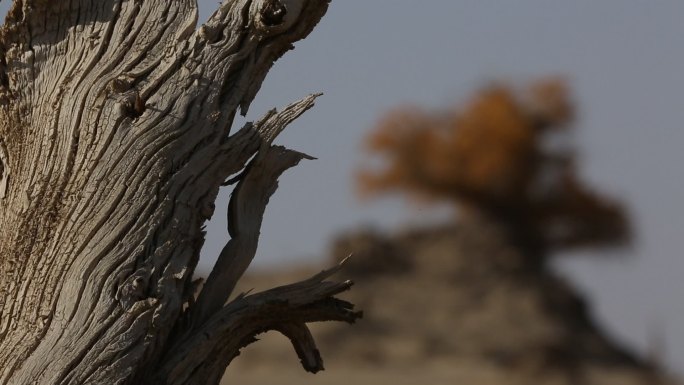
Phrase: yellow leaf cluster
(493,156)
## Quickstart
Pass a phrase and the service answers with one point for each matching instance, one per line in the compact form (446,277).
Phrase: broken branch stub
(245,213)
(222,335)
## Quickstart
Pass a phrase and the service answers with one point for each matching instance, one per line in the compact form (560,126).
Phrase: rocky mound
(455,304)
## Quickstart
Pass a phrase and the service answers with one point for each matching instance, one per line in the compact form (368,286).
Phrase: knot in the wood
(273,13)
(121,84)
(211,34)
(133,106)
(133,288)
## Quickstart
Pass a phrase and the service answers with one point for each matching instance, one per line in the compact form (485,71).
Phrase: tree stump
(115,137)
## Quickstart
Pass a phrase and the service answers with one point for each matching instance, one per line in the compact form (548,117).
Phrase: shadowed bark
(115,137)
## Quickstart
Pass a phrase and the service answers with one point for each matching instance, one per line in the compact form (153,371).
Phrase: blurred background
(622,61)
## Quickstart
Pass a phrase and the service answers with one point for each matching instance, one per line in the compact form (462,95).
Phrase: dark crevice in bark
(4,170)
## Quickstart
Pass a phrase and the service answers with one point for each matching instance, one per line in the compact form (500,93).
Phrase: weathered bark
(115,120)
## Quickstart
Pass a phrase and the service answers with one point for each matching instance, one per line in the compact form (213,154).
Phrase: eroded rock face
(459,302)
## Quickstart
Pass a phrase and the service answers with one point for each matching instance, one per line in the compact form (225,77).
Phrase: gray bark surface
(115,137)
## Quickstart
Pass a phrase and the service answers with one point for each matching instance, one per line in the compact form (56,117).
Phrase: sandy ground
(439,374)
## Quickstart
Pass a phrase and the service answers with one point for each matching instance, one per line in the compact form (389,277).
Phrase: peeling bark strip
(115,137)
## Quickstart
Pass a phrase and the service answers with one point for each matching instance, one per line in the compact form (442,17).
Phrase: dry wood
(115,137)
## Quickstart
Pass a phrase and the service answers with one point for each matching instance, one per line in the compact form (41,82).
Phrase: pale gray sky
(625,61)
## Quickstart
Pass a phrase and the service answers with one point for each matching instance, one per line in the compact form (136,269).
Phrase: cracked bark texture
(115,137)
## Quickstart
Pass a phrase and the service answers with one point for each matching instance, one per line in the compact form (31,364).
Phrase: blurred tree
(505,156)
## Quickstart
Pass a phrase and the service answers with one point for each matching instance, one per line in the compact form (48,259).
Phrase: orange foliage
(493,157)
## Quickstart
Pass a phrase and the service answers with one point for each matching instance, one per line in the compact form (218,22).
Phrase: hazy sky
(625,61)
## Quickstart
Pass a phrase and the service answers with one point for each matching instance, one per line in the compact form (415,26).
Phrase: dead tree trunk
(115,136)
